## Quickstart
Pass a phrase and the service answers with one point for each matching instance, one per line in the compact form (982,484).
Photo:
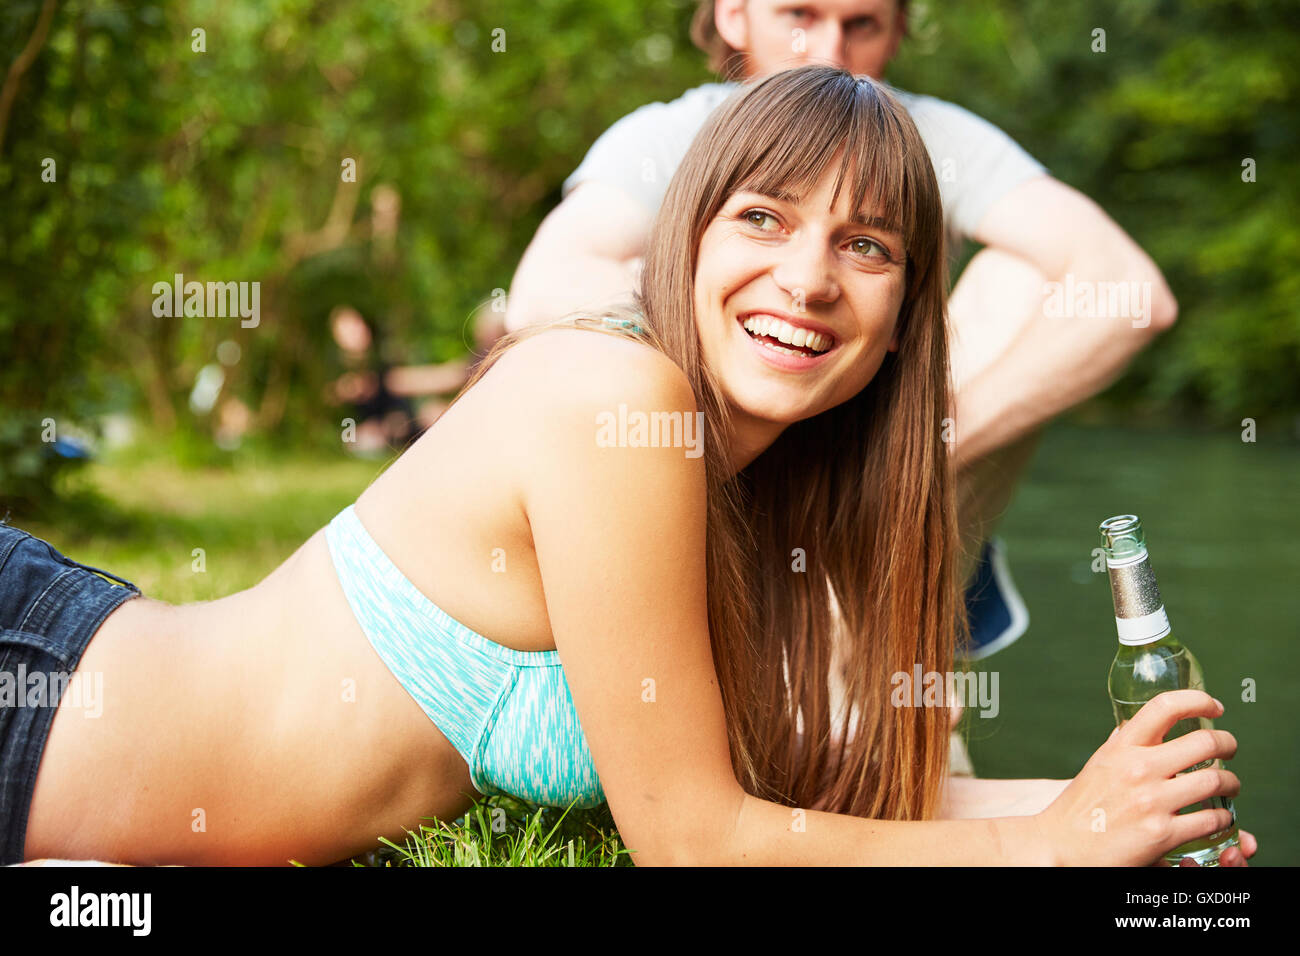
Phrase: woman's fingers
(1239,855)
(1157,717)
(1232,856)
(1187,827)
(1190,749)
(1248,843)
(1189,788)
(1194,748)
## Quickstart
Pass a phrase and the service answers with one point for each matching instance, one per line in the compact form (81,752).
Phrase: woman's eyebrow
(876,222)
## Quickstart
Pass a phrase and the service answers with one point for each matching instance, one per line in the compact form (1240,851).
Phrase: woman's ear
(732,26)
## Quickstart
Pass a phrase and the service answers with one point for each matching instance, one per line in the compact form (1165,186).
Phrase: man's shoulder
(977,162)
(930,111)
(707,95)
(641,151)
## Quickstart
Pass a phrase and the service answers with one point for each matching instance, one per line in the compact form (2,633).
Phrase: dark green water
(1222,520)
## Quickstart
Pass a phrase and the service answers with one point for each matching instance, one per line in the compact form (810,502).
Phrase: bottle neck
(1139,611)
(1129,652)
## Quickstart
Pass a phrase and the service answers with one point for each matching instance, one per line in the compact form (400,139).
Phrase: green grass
(503,831)
(140,515)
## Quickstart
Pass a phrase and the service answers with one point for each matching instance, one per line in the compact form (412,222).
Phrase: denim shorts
(50,608)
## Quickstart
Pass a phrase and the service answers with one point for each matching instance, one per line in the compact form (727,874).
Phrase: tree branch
(22,63)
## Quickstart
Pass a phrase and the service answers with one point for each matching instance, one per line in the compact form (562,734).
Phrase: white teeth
(777,348)
(764,325)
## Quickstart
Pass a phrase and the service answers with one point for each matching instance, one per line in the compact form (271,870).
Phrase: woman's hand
(1122,808)
(1233,855)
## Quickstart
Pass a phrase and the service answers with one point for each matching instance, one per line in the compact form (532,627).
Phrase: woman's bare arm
(768,834)
(619,538)
(970,798)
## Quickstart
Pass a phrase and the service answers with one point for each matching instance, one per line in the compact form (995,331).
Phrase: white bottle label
(1144,629)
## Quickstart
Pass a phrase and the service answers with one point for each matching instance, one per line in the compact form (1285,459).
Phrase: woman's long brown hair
(837,545)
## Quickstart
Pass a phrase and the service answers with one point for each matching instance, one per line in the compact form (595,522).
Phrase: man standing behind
(1014,366)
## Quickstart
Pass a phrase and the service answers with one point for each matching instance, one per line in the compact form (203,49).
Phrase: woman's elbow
(695,837)
(685,847)
(1165,317)
(1164,307)
(1157,305)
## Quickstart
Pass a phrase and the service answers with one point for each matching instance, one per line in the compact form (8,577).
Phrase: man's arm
(585,254)
(1057,359)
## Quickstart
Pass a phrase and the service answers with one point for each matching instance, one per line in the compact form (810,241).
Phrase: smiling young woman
(515,606)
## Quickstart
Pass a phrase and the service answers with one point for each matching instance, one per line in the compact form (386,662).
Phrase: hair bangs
(875,162)
(801,134)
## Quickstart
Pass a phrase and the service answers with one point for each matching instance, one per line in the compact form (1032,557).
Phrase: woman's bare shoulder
(568,366)
(551,398)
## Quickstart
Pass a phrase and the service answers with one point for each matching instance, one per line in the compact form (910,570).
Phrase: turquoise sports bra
(509,713)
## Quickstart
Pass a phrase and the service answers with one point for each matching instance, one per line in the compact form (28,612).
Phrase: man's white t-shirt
(974,161)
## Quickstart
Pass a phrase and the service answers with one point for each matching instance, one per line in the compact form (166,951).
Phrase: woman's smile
(789,343)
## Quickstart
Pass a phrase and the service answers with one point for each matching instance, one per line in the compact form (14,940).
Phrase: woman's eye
(864,246)
(756,217)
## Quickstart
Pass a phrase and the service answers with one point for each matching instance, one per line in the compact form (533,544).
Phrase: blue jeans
(50,608)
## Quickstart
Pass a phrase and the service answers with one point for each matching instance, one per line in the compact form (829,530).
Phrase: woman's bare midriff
(263,727)
(252,730)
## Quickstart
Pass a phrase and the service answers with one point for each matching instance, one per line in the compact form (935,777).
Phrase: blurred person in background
(380,398)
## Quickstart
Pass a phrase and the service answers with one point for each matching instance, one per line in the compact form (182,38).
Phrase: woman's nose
(806,272)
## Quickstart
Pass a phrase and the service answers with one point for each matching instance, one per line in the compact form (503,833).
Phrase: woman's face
(797,302)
